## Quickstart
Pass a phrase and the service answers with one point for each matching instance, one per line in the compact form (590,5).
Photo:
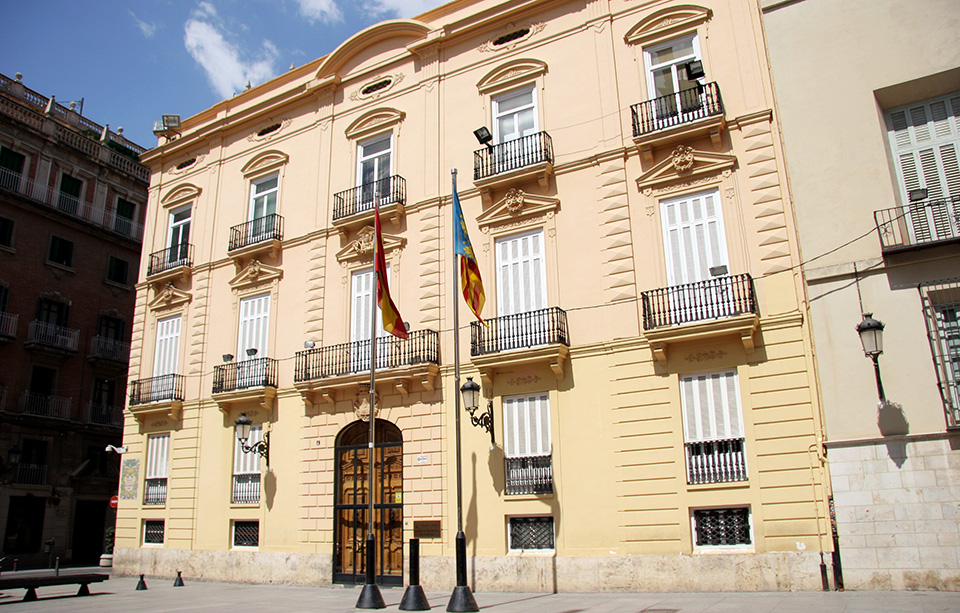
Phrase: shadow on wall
(892,422)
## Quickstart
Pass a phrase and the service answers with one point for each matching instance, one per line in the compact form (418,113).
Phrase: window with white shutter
(157,467)
(363,292)
(254,332)
(515,114)
(696,248)
(527,444)
(713,427)
(167,350)
(246,469)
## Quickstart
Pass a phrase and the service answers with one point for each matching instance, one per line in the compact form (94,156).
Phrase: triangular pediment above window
(511,74)
(168,297)
(255,273)
(667,23)
(685,163)
(516,205)
(181,193)
(374,121)
(268,160)
(362,246)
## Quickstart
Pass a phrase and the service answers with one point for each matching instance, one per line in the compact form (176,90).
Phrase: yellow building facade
(646,360)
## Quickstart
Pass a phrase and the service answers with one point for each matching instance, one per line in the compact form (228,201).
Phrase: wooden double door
(351,504)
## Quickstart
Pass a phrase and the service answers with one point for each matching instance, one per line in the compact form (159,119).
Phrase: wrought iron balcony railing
(156,389)
(422,347)
(8,325)
(521,331)
(109,349)
(171,257)
(529,475)
(675,109)
(45,405)
(32,474)
(267,228)
(103,414)
(716,461)
(362,198)
(155,491)
(919,223)
(715,298)
(245,374)
(246,489)
(52,335)
(513,154)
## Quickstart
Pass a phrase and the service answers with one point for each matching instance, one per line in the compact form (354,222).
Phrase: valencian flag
(392,322)
(470,283)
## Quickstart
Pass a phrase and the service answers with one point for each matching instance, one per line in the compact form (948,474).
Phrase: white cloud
(326,11)
(147,29)
(227,68)
(402,8)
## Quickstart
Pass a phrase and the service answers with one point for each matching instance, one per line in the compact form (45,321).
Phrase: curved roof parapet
(393,28)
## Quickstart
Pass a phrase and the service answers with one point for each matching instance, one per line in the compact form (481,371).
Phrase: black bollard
(178,582)
(142,585)
(370,597)
(413,597)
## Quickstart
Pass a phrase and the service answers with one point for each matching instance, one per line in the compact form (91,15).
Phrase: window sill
(539,553)
(60,267)
(244,505)
(710,551)
(8,248)
(121,286)
(528,496)
(725,485)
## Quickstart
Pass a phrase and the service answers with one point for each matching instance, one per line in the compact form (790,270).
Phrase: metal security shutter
(693,237)
(521,274)
(247,463)
(526,425)
(711,406)
(254,326)
(167,353)
(158,449)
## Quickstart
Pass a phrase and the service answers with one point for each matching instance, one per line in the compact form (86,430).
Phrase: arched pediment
(668,22)
(404,30)
(372,121)
(264,161)
(510,74)
(180,193)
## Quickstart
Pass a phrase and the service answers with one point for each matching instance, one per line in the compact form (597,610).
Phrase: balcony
(246,489)
(155,491)
(171,263)
(244,381)
(719,461)
(45,405)
(919,224)
(157,395)
(525,338)
(686,115)
(261,235)
(31,474)
(697,311)
(512,162)
(8,327)
(529,475)
(354,206)
(321,371)
(103,414)
(52,338)
(103,348)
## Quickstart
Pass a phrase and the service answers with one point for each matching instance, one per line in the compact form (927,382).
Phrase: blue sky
(131,62)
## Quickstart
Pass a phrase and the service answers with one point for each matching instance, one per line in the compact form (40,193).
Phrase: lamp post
(871,337)
(262,448)
(471,401)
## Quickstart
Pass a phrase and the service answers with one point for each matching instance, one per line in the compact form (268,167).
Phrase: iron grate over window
(153,532)
(722,526)
(246,533)
(531,533)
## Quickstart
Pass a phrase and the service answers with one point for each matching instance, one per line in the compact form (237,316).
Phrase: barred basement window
(722,527)
(269,129)
(506,38)
(186,163)
(531,533)
(153,532)
(246,533)
(374,87)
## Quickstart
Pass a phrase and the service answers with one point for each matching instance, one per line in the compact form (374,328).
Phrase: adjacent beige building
(647,361)
(869,96)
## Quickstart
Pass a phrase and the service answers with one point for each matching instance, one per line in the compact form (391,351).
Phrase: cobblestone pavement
(119,594)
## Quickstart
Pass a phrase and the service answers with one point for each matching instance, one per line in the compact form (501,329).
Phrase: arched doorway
(350,505)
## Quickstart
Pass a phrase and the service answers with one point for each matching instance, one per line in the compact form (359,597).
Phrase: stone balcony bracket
(555,356)
(402,380)
(167,409)
(743,327)
(266,397)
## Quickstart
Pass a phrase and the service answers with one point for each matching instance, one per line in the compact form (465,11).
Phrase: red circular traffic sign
(114,501)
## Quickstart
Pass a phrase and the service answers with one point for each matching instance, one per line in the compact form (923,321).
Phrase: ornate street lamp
(262,448)
(871,337)
(471,401)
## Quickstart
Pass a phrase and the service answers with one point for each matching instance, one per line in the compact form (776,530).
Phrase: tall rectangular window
(167,350)
(713,427)
(117,270)
(158,462)
(941,305)
(124,219)
(69,199)
(246,469)
(11,168)
(515,114)
(263,207)
(694,237)
(521,292)
(6,232)
(362,295)
(178,235)
(53,312)
(61,251)
(374,165)
(668,83)
(254,329)
(527,444)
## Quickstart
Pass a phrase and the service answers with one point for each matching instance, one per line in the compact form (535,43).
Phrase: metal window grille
(722,526)
(531,533)
(246,533)
(246,489)
(153,532)
(941,307)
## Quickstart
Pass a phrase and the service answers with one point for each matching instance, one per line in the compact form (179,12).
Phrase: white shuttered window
(521,274)
(363,291)
(711,406)
(167,351)
(247,463)
(693,237)
(158,454)
(526,425)
(254,326)
(925,138)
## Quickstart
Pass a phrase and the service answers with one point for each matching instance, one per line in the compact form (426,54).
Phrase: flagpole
(462,599)
(370,596)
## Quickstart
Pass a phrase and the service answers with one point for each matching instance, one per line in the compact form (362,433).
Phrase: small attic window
(374,87)
(186,163)
(269,129)
(512,36)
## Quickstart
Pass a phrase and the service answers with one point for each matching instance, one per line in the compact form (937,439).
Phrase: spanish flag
(470,283)
(392,322)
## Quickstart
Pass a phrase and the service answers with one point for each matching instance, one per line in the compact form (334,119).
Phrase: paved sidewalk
(119,594)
